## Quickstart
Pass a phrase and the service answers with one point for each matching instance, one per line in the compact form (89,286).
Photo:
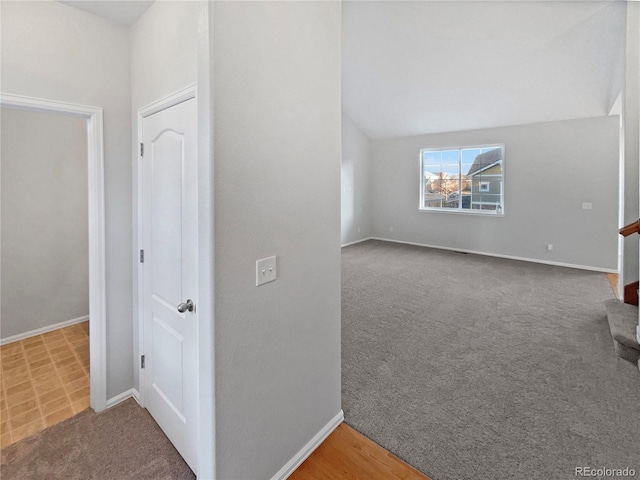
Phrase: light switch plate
(587,205)
(265,270)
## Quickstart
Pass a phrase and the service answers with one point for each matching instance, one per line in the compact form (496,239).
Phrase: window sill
(460,212)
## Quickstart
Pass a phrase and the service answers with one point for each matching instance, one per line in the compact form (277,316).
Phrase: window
(467,179)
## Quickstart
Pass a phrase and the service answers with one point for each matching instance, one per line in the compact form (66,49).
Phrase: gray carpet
(122,443)
(471,367)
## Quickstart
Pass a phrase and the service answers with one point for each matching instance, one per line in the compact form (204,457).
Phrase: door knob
(187,306)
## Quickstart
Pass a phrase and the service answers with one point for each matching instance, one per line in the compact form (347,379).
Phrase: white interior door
(169,230)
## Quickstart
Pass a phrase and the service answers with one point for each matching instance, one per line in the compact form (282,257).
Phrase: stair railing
(630,295)
(630,229)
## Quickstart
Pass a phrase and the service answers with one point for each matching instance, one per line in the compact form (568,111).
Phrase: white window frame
(484,186)
(460,210)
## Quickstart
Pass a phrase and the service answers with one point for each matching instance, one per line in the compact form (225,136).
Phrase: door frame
(97,260)
(167,102)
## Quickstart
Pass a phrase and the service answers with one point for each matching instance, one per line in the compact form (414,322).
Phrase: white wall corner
(131,393)
(357,241)
(615,108)
(309,448)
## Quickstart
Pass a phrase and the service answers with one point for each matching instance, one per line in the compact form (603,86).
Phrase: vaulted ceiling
(417,67)
(411,68)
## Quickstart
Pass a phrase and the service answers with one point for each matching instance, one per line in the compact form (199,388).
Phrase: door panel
(169,227)
(168,365)
(166,215)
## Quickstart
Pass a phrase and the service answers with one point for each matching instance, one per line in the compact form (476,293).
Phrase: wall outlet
(358,229)
(587,206)
(265,270)
(549,247)
(390,229)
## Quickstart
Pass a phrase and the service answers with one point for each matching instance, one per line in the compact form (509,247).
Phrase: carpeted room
(489,354)
(468,366)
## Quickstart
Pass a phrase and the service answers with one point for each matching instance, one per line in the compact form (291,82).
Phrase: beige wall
(276,81)
(549,170)
(355,182)
(60,53)
(45,269)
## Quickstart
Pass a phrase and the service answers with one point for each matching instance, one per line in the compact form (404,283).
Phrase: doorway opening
(69,339)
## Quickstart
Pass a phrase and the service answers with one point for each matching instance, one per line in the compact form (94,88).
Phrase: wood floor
(45,379)
(346,454)
(613,281)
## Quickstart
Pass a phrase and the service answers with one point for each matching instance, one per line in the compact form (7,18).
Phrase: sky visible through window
(463,179)
(447,161)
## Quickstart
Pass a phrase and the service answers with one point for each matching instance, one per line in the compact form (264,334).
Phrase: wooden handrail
(630,229)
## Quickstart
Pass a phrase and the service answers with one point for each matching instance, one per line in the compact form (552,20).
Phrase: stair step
(623,320)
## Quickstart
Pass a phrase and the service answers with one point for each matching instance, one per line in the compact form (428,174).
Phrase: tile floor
(45,379)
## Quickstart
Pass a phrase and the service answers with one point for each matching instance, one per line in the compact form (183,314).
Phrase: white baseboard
(131,393)
(40,331)
(510,257)
(308,449)
(357,241)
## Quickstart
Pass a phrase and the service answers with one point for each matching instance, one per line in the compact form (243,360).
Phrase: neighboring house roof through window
(485,160)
